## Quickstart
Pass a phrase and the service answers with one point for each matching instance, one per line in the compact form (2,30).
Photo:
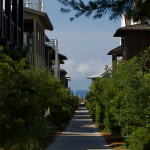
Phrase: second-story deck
(34,4)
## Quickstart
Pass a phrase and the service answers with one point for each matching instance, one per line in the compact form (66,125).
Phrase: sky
(84,41)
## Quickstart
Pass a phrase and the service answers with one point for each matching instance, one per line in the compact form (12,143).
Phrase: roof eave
(44,17)
(116,51)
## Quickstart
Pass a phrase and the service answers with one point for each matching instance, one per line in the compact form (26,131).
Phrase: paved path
(81,134)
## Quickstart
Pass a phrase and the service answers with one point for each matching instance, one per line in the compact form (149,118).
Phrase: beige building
(35,24)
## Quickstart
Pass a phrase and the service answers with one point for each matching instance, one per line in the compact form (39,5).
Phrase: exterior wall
(127,22)
(114,62)
(62,78)
(135,43)
(11,23)
(48,58)
(37,56)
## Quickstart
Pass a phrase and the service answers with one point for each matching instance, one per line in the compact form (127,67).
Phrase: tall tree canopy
(138,10)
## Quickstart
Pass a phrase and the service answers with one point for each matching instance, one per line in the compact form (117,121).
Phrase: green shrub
(28,98)
(139,138)
(122,102)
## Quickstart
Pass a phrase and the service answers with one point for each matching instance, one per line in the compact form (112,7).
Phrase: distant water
(80,93)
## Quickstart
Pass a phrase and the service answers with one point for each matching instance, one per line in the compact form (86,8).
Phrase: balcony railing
(34,4)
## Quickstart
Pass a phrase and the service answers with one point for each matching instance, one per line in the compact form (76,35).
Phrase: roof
(68,78)
(43,16)
(103,75)
(63,71)
(48,45)
(63,57)
(137,27)
(116,51)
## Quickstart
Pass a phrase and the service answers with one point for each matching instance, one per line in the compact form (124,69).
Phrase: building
(117,54)
(54,60)
(134,38)
(35,23)
(11,23)
(23,24)
(103,75)
(34,4)
(63,78)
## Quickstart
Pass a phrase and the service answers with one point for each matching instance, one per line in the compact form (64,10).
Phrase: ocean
(80,93)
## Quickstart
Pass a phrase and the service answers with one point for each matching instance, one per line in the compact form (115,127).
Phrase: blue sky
(84,41)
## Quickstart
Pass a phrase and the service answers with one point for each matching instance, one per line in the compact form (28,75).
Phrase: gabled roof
(43,16)
(116,51)
(103,75)
(137,27)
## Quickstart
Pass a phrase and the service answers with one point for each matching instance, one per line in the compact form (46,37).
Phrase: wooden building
(116,52)
(50,64)
(103,75)
(61,59)
(49,51)
(63,78)
(135,38)
(11,23)
(35,23)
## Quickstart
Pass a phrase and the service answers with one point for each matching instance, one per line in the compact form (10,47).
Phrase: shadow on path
(81,134)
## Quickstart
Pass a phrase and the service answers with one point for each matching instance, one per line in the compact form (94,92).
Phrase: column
(20,21)
(15,18)
(43,45)
(1,18)
(56,59)
(34,43)
(8,14)
(114,62)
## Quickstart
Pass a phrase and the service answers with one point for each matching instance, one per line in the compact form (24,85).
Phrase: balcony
(34,4)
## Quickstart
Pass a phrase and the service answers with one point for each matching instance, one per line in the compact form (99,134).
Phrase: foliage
(139,138)
(30,102)
(136,9)
(124,100)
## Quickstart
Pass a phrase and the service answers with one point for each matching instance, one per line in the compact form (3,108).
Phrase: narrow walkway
(81,134)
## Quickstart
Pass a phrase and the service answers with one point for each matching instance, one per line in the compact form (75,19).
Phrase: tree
(138,10)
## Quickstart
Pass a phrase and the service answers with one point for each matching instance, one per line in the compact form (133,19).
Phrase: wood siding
(11,23)
(135,42)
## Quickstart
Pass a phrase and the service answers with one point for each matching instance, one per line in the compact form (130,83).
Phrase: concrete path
(81,134)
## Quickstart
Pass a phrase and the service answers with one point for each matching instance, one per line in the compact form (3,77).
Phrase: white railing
(34,4)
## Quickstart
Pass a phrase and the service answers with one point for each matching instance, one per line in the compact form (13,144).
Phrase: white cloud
(81,70)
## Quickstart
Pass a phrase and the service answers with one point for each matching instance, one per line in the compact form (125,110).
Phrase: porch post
(34,42)
(114,62)
(15,19)
(43,44)
(20,21)
(56,59)
(1,18)
(8,14)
